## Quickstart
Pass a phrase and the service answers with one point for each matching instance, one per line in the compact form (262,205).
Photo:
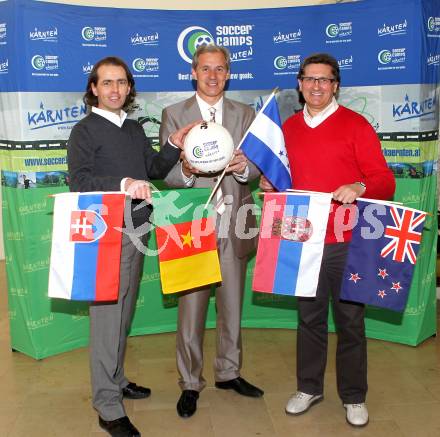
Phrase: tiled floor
(52,397)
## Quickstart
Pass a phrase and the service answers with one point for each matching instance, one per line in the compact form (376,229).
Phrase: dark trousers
(351,352)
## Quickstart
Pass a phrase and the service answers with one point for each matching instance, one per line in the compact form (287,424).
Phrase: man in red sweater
(332,149)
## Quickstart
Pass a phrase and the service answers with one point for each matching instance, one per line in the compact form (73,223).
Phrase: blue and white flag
(382,255)
(264,145)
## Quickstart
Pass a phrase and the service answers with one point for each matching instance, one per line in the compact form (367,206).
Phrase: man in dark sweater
(332,149)
(108,152)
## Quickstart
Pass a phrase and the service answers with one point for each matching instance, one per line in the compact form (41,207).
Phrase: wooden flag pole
(274,91)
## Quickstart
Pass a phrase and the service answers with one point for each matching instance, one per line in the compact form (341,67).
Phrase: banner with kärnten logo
(389,57)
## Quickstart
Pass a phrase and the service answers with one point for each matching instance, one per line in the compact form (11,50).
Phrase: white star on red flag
(354,277)
(396,286)
(382,273)
(381,293)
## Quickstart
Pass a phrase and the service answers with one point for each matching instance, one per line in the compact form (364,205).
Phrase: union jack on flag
(382,255)
(403,234)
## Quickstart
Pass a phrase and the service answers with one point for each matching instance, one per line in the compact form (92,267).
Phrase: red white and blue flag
(382,255)
(291,243)
(86,246)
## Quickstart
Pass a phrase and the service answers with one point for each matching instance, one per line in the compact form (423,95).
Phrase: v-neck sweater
(343,149)
(100,154)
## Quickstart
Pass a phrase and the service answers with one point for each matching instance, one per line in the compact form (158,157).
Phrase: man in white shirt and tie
(211,69)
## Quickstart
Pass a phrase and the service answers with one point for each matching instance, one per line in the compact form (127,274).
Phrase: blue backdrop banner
(56,51)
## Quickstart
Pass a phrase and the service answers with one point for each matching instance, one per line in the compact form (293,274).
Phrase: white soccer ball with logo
(208,147)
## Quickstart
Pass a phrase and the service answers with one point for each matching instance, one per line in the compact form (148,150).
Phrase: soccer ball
(203,40)
(208,147)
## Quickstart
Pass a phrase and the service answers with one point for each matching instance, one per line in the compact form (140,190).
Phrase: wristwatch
(362,185)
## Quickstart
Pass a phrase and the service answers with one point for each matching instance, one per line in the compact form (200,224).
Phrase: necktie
(220,201)
(212,114)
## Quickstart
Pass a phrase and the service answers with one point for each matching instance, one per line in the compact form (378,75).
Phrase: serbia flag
(291,243)
(86,246)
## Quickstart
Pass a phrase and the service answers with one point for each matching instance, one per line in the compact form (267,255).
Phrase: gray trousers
(109,326)
(193,307)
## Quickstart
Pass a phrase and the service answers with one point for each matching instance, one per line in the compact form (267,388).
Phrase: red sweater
(342,150)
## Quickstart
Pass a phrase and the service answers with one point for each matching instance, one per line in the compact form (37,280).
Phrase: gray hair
(211,48)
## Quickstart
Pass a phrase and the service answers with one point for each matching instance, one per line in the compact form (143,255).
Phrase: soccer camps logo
(190,39)
(392,59)
(38,62)
(45,65)
(95,36)
(433,24)
(288,64)
(145,67)
(384,56)
(3,33)
(339,32)
(332,30)
(280,62)
(4,66)
(88,33)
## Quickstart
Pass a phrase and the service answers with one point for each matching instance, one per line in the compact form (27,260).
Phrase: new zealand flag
(382,255)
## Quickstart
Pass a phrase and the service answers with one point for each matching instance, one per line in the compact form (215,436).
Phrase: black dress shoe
(187,404)
(241,386)
(121,427)
(133,391)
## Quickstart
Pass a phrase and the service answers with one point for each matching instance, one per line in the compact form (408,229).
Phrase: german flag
(186,240)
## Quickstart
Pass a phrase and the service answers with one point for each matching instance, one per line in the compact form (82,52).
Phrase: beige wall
(196,4)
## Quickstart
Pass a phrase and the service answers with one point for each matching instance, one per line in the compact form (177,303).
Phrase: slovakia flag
(86,246)
(291,243)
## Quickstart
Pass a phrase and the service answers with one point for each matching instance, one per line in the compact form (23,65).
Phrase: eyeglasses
(322,81)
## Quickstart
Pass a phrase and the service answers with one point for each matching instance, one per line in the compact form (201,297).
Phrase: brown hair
(321,58)
(91,100)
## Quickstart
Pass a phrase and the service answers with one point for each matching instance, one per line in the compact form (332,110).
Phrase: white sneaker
(300,402)
(357,414)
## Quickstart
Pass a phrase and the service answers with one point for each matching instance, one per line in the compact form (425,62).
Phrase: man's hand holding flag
(263,144)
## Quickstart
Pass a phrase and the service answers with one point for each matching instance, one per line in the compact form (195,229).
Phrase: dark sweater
(100,155)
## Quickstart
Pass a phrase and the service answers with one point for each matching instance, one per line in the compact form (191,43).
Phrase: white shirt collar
(321,116)
(204,109)
(116,119)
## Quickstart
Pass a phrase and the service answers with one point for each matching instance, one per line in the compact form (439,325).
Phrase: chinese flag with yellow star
(186,239)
